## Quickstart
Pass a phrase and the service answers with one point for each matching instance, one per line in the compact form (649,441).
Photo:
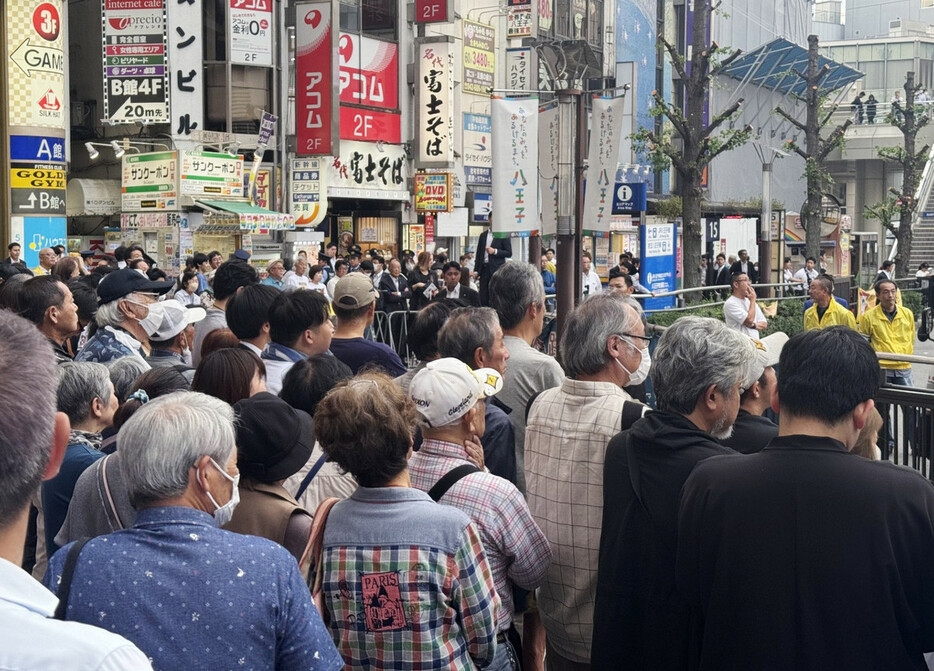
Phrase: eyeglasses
(632,335)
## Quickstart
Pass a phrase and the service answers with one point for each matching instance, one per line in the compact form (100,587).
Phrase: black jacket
(387,288)
(751,271)
(469,297)
(418,295)
(750,433)
(640,621)
(486,264)
(807,557)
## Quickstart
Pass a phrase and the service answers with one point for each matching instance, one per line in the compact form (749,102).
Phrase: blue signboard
(35,233)
(629,197)
(482,206)
(37,148)
(658,269)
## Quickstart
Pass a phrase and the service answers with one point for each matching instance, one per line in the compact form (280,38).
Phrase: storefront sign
(367,125)
(250,32)
(479,58)
(515,165)
(546,14)
(365,170)
(211,174)
(482,207)
(478,158)
(432,11)
(36,64)
(150,181)
(548,140)
(308,189)
(433,191)
(631,197)
(36,233)
(658,263)
(135,72)
(606,131)
(519,18)
(434,108)
(369,71)
(315,67)
(186,77)
(518,70)
(37,188)
(132,220)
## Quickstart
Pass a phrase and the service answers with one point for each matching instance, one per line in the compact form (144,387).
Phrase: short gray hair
(78,385)
(27,412)
(124,372)
(513,288)
(590,325)
(694,353)
(166,437)
(109,314)
(466,330)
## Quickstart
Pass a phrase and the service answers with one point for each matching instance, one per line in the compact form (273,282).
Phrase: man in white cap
(450,399)
(751,430)
(170,342)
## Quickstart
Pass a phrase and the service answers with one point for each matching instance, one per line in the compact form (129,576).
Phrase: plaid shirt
(406,583)
(566,436)
(516,548)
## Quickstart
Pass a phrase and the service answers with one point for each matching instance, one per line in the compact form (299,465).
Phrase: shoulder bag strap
(68,572)
(447,481)
(311,476)
(528,406)
(104,485)
(632,411)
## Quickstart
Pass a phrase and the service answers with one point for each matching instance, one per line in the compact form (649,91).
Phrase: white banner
(250,32)
(519,70)
(548,139)
(186,76)
(434,115)
(515,165)
(606,131)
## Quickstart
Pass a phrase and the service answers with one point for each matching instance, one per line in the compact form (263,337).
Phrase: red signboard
(315,60)
(369,71)
(366,125)
(432,11)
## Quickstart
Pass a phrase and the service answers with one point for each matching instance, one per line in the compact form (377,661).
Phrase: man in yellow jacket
(826,311)
(891,328)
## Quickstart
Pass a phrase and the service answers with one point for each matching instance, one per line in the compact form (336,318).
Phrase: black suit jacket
(470,297)
(752,272)
(387,288)
(486,264)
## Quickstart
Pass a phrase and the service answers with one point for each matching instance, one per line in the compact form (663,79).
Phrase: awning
(773,66)
(92,197)
(249,218)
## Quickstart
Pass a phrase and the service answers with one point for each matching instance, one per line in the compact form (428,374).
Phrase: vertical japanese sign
(267,125)
(135,72)
(519,19)
(186,76)
(546,14)
(309,186)
(479,58)
(548,139)
(518,70)
(36,65)
(250,31)
(606,131)
(434,117)
(478,156)
(316,115)
(658,268)
(515,165)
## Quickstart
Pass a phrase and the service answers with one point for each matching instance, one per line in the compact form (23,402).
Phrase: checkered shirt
(516,548)
(424,600)
(566,436)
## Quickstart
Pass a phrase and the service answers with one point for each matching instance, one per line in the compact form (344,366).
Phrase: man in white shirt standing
(740,311)
(591,283)
(298,279)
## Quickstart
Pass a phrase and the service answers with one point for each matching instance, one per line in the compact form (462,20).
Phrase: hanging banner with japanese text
(207,173)
(308,190)
(548,139)
(250,31)
(368,170)
(478,158)
(135,72)
(606,132)
(515,166)
(267,126)
(149,182)
(479,58)
(434,114)
(316,113)
(518,70)
(186,76)
(36,65)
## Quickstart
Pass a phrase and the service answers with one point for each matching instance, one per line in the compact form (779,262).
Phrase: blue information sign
(37,149)
(629,197)
(658,267)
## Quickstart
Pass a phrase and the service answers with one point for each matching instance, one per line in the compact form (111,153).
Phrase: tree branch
(833,141)
(794,122)
(725,62)
(665,147)
(720,118)
(676,59)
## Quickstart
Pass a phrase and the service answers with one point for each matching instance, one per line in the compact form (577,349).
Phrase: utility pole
(571,153)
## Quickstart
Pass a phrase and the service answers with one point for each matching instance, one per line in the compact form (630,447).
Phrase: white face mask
(223,514)
(642,372)
(153,320)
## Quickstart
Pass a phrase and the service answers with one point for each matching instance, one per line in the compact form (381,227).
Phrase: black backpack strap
(68,572)
(528,406)
(445,483)
(632,411)
(311,476)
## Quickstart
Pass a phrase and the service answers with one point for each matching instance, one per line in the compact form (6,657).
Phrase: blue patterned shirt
(192,596)
(108,344)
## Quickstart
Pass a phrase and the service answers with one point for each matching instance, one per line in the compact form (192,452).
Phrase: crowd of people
(250,479)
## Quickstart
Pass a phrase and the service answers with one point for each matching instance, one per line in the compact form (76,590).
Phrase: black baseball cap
(274,440)
(126,281)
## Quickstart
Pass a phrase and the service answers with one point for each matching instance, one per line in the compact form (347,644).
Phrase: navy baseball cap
(242,254)
(124,282)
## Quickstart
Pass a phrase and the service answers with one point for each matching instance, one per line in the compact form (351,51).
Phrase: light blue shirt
(273,282)
(30,639)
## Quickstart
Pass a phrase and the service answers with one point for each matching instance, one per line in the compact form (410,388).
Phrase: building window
(372,18)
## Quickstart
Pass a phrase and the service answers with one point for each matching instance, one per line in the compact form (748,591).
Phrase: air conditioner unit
(248,92)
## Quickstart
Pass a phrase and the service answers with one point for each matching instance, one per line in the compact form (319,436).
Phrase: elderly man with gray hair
(699,371)
(567,431)
(174,583)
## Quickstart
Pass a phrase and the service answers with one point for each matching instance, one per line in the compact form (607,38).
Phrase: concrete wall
(870,18)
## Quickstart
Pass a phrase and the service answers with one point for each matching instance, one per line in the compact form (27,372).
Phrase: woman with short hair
(230,374)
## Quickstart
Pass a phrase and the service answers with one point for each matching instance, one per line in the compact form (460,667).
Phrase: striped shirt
(516,548)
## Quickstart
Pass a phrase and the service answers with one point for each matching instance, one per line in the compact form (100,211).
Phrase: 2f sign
(431,11)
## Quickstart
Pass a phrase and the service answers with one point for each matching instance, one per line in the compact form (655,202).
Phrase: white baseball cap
(447,388)
(175,317)
(768,351)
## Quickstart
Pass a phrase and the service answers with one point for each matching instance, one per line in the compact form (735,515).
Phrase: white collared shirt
(456,292)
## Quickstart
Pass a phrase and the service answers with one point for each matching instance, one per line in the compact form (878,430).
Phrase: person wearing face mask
(188,294)
(701,369)
(174,581)
(171,340)
(128,313)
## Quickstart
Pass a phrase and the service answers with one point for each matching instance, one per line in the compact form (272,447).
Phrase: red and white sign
(432,11)
(316,56)
(50,101)
(251,32)
(369,72)
(367,125)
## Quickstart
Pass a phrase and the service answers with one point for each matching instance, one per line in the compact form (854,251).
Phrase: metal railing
(907,434)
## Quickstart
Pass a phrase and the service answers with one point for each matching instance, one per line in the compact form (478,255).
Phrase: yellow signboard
(37,178)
